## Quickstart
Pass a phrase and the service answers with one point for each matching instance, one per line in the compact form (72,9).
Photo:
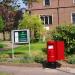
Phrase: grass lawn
(22,52)
(35,48)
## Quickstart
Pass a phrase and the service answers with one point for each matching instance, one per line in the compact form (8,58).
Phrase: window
(46,19)
(73,18)
(46,2)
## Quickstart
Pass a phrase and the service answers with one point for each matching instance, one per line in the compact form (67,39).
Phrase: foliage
(27,59)
(22,54)
(11,18)
(39,58)
(17,18)
(65,33)
(24,58)
(33,23)
(1,45)
(8,19)
(13,3)
(1,23)
(71,59)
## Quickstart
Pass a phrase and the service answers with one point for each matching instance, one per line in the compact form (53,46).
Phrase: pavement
(8,45)
(64,67)
(67,69)
(32,69)
(16,70)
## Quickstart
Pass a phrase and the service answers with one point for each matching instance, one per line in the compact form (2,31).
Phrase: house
(54,12)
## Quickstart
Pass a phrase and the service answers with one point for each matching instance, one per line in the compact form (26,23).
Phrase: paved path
(8,45)
(14,70)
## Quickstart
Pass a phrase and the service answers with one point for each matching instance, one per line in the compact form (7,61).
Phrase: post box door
(60,50)
(51,53)
(51,56)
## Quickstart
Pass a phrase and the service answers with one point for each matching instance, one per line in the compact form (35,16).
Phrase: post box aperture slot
(50,47)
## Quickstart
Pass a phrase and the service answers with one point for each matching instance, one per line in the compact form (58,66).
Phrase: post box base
(52,65)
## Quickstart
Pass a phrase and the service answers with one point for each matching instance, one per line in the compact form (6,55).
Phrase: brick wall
(60,14)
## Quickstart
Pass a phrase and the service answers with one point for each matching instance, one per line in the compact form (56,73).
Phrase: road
(14,70)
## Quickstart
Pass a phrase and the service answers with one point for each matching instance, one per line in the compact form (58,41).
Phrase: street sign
(20,36)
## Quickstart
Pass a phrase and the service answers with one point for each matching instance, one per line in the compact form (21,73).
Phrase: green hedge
(1,45)
(65,33)
(71,59)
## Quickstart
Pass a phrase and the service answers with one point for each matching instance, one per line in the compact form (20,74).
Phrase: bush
(26,58)
(34,40)
(39,58)
(1,46)
(65,33)
(71,59)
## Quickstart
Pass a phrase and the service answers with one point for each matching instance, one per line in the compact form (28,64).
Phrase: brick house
(55,12)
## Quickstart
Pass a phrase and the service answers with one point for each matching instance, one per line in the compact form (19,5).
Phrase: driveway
(16,70)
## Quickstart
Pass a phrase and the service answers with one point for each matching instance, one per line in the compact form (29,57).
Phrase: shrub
(4,55)
(39,58)
(71,59)
(1,45)
(26,58)
(65,33)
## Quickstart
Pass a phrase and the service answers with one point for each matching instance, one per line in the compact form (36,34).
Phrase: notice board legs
(12,51)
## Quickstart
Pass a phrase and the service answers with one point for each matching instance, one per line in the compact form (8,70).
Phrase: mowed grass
(22,54)
(34,47)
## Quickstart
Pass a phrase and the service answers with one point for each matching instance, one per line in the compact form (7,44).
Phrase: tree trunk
(4,35)
(9,35)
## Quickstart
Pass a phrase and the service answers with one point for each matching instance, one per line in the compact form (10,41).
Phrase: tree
(1,24)
(8,2)
(33,23)
(8,17)
(11,20)
(17,18)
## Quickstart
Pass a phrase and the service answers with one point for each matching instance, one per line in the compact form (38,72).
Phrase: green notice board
(22,36)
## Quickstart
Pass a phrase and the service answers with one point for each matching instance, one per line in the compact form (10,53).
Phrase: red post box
(55,51)
(51,51)
(60,50)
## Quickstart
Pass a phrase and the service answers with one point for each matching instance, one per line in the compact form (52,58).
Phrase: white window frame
(44,3)
(48,19)
(71,17)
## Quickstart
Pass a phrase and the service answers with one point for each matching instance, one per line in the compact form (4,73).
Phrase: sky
(22,5)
